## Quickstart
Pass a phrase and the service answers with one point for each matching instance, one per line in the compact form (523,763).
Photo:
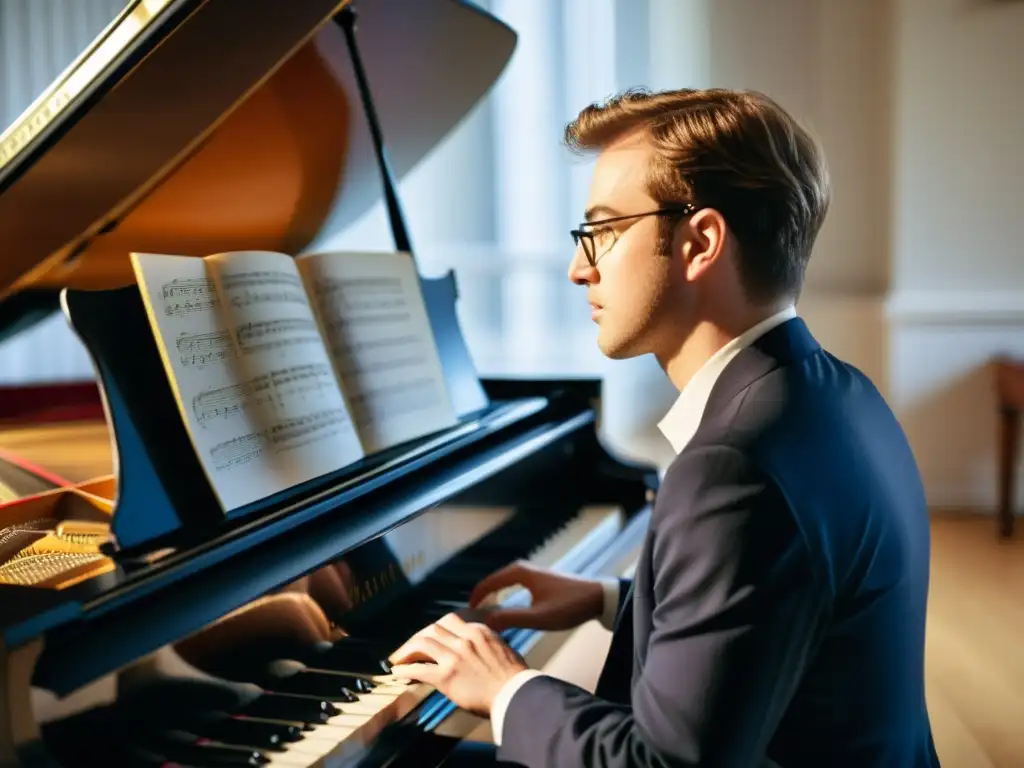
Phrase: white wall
(957,295)
(918,276)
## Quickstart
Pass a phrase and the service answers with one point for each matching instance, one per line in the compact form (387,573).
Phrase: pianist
(777,614)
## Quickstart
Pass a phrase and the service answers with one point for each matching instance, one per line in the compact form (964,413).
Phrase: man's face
(633,289)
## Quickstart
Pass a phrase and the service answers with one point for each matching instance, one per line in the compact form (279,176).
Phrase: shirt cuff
(611,603)
(504,698)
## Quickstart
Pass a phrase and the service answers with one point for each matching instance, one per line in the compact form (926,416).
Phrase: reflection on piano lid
(198,126)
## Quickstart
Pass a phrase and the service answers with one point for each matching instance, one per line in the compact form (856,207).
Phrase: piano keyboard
(329,703)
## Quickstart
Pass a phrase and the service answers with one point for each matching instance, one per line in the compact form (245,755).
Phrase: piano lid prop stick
(346,19)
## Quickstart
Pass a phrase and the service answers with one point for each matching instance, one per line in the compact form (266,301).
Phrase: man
(777,614)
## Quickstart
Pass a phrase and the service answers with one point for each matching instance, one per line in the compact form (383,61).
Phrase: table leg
(1009,435)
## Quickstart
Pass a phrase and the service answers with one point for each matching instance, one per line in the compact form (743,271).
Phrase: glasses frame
(581,235)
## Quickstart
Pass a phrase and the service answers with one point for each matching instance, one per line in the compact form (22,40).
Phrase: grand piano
(140,627)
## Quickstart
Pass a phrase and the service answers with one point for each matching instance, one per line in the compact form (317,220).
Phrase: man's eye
(603,235)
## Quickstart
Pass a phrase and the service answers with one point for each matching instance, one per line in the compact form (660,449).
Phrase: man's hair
(738,152)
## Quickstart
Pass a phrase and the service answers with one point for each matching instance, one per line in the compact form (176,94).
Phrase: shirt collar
(681,422)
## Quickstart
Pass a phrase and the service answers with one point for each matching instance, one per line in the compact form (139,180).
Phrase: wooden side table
(1010,402)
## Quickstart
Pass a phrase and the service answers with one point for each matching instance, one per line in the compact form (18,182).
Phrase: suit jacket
(777,611)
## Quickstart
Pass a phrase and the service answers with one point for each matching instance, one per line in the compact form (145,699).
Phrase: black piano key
(296,709)
(281,669)
(186,748)
(350,644)
(259,734)
(363,659)
(110,753)
(325,686)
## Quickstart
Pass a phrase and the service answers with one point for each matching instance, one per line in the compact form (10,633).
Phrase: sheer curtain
(520,313)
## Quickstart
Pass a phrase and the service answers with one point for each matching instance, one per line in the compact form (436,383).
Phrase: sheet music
(255,385)
(373,316)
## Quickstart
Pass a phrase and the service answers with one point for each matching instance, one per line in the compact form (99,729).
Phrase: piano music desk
(1009,376)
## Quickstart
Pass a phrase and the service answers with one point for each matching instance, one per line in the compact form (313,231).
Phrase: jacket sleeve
(624,586)
(735,603)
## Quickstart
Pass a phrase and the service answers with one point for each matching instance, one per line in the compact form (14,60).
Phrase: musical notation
(297,431)
(184,296)
(270,334)
(253,379)
(261,278)
(253,337)
(237,451)
(376,349)
(365,294)
(287,435)
(396,399)
(286,369)
(205,348)
(273,388)
(379,336)
(248,289)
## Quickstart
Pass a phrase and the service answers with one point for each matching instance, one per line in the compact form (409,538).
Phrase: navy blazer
(777,612)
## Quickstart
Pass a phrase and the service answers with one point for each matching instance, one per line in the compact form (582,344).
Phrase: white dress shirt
(678,426)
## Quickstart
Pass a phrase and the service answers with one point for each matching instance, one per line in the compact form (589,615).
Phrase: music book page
(374,320)
(254,382)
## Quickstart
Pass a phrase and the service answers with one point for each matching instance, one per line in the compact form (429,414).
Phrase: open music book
(285,369)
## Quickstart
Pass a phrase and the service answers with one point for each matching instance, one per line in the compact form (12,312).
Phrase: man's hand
(467,662)
(558,601)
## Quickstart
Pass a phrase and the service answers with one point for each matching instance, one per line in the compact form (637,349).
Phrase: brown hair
(737,152)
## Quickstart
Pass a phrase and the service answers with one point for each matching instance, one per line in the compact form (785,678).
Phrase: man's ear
(704,240)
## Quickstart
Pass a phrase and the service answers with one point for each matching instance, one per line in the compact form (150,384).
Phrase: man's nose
(580,271)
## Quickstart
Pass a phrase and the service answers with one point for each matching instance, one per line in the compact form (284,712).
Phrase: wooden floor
(975,651)
(976,616)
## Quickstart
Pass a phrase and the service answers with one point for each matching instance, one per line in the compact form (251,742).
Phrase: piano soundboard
(137,627)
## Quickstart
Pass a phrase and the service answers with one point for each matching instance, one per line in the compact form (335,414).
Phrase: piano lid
(199,126)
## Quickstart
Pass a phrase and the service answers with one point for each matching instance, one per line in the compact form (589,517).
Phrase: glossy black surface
(162,719)
(88,634)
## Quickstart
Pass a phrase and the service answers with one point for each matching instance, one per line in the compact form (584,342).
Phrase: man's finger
(453,623)
(431,630)
(501,619)
(422,647)
(430,674)
(508,576)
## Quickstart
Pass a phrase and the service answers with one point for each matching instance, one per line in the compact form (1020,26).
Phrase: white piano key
(393,698)
(589,531)
(356,727)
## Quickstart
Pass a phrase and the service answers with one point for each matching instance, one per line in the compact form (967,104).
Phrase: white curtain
(521,316)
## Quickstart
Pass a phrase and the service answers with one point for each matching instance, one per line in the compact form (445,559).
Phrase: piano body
(140,626)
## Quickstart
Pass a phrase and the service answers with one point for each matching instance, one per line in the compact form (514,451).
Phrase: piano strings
(47,552)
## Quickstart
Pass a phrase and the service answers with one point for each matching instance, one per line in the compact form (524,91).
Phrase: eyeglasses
(598,239)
